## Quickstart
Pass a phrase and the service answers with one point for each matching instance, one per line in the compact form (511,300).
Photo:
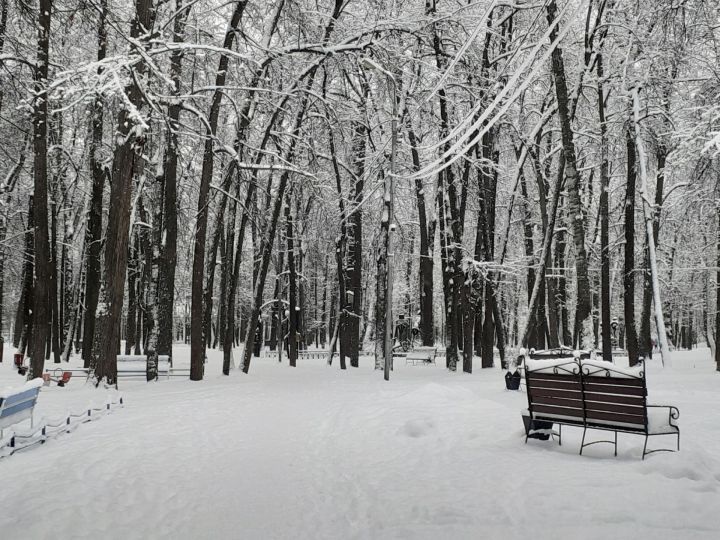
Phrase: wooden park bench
(596,395)
(421,355)
(18,404)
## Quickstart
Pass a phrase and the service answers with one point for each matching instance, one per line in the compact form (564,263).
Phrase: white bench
(122,358)
(421,355)
(18,404)
(136,366)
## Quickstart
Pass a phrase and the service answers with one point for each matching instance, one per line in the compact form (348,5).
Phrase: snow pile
(19,388)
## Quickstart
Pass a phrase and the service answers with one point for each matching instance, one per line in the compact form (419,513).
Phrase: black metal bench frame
(593,399)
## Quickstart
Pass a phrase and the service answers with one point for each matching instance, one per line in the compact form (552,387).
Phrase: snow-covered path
(313,452)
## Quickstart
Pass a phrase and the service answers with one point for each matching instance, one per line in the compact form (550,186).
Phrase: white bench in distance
(135,365)
(421,355)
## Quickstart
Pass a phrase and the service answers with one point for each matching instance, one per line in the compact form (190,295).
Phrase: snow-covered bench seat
(421,355)
(17,404)
(596,395)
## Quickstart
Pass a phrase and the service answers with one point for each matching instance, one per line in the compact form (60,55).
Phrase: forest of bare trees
(228,174)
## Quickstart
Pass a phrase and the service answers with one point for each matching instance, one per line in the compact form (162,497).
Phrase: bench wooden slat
(565,411)
(612,389)
(616,417)
(613,381)
(557,385)
(615,398)
(548,400)
(564,377)
(570,393)
(612,407)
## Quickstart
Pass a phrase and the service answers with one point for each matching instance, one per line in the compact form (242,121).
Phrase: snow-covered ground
(317,453)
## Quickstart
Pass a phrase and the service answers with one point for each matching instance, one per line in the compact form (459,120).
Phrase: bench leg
(678,440)
(645,447)
(616,444)
(582,444)
(559,434)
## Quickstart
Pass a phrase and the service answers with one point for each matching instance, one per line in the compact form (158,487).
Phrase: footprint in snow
(417,428)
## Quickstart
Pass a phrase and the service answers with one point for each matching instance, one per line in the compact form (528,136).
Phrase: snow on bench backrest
(557,366)
(17,404)
(141,366)
(600,368)
(124,358)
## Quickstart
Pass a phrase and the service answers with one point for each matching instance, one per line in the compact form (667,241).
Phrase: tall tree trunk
(10,183)
(41,311)
(292,286)
(211,265)
(94,219)
(126,152)
(75,313)
(648,214)
(604,215)
(629,270)
(152,308)
(354,243)
(645,342)
(381,285)
(427,238)
(561,298)
(574,210)
(450,223)
(132,311)
(545,254)
(55,327)
(227,243)
(717,294)
(197,344)
(23,320)
(168,246)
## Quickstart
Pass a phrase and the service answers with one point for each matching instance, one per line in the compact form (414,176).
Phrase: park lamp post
(389,198)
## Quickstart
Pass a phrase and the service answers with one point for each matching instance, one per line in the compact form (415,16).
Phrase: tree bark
(168,247)
(354,241)
(94,219)
(130,139)
(41,311)
(629,269)
(604,216)
(717,295)
(197,343)
(574,208)
(292,286)
(427,237)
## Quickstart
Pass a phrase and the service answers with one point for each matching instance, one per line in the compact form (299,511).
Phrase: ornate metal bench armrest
(673,412)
